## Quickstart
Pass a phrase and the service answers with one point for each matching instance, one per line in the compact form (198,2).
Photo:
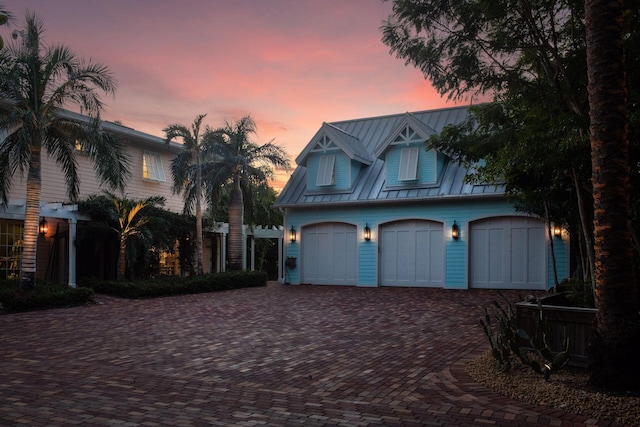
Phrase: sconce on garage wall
(292,234)
(455,231)
(367,232)
(43,228)
(557,231)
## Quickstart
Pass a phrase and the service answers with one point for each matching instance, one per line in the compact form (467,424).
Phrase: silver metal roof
(369,136)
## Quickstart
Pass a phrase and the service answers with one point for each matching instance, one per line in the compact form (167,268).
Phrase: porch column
(280,262)
(253,253)
(72,251)
(224,252)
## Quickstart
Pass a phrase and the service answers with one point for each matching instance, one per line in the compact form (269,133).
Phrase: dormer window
(152,167)
(408,164)
(326,170)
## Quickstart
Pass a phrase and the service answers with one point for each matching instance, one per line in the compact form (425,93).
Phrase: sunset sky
(290,64)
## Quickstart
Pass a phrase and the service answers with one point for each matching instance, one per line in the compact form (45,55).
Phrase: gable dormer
(407,162)
(333,160)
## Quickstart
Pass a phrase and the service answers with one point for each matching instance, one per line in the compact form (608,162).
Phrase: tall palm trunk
(199,243)
(31,220)
(122,259)
(236,219)
(617,340)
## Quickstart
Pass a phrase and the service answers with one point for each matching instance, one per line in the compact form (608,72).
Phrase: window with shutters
(326,170)
(408,164)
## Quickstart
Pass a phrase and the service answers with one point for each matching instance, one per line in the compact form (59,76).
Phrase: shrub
(507,340)
(175,285)
(44,296)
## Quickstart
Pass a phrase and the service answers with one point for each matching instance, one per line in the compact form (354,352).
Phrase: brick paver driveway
(279,355)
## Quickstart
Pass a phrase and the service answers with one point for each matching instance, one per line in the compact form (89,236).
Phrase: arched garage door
(329,254)
(412,254)
(508,253)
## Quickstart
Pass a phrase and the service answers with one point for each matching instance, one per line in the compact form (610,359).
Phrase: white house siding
(54,188)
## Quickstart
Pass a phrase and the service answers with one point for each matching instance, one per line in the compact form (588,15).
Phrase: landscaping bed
(47,295)
(567,390)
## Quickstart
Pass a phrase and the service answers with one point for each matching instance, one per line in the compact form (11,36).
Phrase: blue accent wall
(428,165)
(375,215)
(342,172)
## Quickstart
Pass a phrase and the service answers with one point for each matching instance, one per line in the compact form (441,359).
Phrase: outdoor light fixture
(557,231)
(292,234)
(455,231)
(44,227)
(367,232)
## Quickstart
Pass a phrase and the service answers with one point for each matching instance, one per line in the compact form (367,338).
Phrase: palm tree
(614,351)
(131,225)
(186,169)
(5,17)
(239,162)
(36,82)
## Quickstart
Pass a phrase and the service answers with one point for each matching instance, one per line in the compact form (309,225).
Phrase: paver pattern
(273,356)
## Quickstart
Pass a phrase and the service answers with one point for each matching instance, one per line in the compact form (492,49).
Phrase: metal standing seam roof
(369,187)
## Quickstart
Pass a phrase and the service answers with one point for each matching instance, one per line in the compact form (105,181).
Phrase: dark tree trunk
(615,346)
(28,262)
(199,238)
(236,219)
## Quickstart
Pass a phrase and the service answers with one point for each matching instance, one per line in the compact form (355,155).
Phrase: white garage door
(508,253)
(412,254)
(329,254)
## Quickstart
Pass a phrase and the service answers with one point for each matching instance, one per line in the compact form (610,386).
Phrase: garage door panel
(508,253)
(412,254)
(329,254)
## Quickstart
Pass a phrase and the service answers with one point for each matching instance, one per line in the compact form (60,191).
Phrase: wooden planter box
(575,322)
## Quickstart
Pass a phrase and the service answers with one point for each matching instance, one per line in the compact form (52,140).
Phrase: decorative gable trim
(329,138)
(410,130)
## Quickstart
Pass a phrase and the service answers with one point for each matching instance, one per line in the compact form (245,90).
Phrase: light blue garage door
(329,254)
(508,253)
(412,254)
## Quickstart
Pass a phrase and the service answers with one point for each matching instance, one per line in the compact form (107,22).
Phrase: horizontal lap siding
(54,189)
(456,252)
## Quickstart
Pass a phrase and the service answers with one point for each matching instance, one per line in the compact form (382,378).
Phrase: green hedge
(44,296)
(174,285)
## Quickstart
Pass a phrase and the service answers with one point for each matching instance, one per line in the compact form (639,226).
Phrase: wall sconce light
(292,234)
(455,231)
(557,231)
(367,232)
(43,228)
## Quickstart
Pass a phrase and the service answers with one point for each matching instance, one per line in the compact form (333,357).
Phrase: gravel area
(566,390)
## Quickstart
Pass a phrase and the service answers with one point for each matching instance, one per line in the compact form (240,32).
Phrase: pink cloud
(289,64)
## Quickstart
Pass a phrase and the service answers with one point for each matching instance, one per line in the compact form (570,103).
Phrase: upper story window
(326,170)
(408,170)
(84,148)
(152,167)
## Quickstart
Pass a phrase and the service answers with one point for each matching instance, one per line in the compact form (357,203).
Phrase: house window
(326,175)
(10,249)
(152,167)
(83,148)
(408,164)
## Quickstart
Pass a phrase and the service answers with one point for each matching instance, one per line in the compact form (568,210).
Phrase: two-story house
(150,176)
(368,205)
